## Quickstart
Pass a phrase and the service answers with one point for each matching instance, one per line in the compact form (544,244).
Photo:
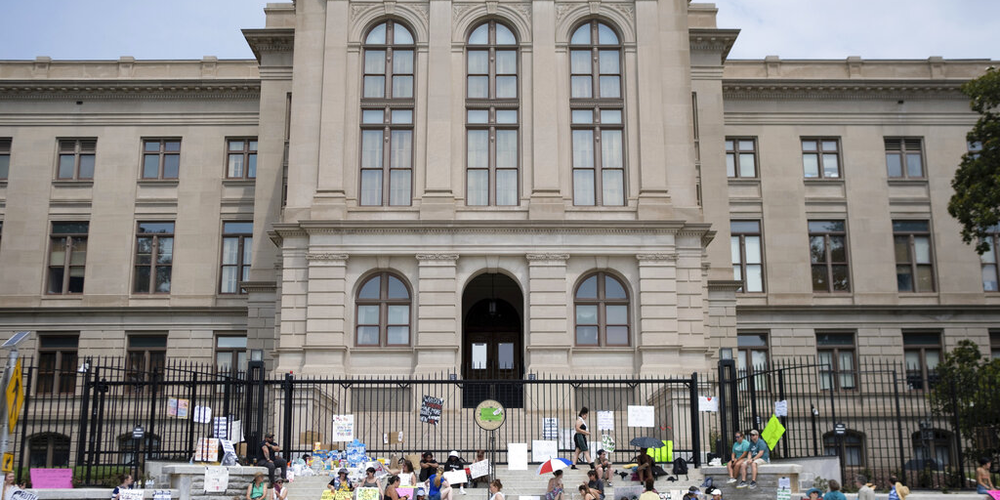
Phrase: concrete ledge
(776,469)
(88,493)
(200,469)
(928,495)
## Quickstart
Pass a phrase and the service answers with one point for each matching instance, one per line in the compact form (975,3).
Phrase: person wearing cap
(757,455)
(268,457)
(603,467)
(341,482)
(427,465)
(693,493)
(814,494)
(454,463)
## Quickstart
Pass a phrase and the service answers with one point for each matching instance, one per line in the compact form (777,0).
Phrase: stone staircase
(515,484)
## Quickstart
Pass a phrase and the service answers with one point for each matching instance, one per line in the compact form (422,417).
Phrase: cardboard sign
(543,450)
(367,494)
(216,479)
(708,403)
(640,416)
(51,478)
(455,477)
(479,469)
(605,420)
(131,494)
(343,429)
(430,410)
(517,456)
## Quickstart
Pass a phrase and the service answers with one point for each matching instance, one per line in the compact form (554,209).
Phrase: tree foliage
(976,201)
(967,385)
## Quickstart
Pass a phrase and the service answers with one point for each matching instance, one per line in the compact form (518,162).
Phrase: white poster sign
(640,416)
(456,477)
(566,439)
(220,427)
(236,431)
(784,483)
(202,415)
(479,469)
(216,479)
(605,420)
(23,495)
(708,403)
(131,494)
(543,450)
(550,428)
(781,408)
(161,495)
(517,456)
(343,428)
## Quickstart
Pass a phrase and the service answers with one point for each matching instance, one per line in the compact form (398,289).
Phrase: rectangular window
(748,257)
(154,257)
(237,243)
(828,254)
(241,158)
(904,158)
(741,157)
(4,158)
(76,159)
(231,353)
(161,158)
(914,255)
(995,344)
(67,257)
(386,156)
(145,353)
(990,260)
(752,356)
(835,353)
(57,363)
(821,157)
(922,353)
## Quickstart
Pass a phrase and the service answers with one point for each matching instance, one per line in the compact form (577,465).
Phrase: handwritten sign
(781,408)
(640,416)
(207,451)
(405,493)
(51,478)
(479,469)
(605,420)
(216,479)
(708,403)
(131,494)
(343,429)
(202,415)
(367,494)
(550,428)
(544,450)
(455,477)
(430,410)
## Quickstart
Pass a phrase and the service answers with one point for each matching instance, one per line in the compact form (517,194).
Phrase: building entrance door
(492,344)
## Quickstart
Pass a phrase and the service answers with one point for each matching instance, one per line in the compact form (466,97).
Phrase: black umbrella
(646,442)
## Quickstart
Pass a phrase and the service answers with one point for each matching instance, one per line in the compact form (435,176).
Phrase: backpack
(680,467)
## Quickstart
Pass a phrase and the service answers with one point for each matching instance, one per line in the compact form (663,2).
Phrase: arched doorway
(492,340)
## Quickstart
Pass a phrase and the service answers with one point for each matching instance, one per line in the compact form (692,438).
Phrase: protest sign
(708,403)
(216,479)
(543,450)
(343,428)
(367,493)
(605,420)
(456,477)
(640,416)
(430,410)
(131,494)
(550,428)
(202,414)
(517,456)
(479,469)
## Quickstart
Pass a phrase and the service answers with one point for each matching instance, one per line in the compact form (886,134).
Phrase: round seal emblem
(490,415)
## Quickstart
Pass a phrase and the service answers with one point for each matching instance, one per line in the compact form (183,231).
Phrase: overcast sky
(190,29)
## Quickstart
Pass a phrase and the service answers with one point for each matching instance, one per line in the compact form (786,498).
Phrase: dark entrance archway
(492,341)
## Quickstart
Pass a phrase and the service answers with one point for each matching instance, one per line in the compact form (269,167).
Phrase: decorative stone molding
(656,256)
(491,7)
(322,256)
(516,14)
(358,8)
(165,90)
(627,9)
(437,256)
(621,15)
(270,40)
(390,7)
(547,256)
(853,90)
(361,15)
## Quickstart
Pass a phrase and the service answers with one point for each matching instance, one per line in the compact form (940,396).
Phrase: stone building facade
(488,188)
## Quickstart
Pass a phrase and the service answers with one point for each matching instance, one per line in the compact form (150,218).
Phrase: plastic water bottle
(150,483)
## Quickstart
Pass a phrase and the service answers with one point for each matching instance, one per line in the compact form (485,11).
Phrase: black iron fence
(105,417)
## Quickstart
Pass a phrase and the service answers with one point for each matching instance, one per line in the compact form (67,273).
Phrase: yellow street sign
(8,463)
(15,396)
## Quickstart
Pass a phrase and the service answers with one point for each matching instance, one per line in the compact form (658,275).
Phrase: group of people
(428,484)
(747,454)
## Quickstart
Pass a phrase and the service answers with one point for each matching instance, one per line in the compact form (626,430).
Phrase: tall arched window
(854,447)
(387,116)
(597,116)
(601,305)
(383,311)
(492,119)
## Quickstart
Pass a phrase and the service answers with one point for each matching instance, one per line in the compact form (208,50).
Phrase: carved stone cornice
(327,257)
(713,40)
(768,89)
(547,256)
(109,89)
(671,257)
(270,40)
(259,286)
(437,256)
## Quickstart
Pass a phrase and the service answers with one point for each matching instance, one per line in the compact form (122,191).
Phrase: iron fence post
(783,419)
(84,413)
(813,414)
(287,431)
(24,425)
(723,419)
(695,423)
(899,422)
(147,435)
(958,432)
(193,396)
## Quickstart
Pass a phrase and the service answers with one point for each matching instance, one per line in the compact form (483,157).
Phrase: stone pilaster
(658,312)
(326,338)
(293,291)
(438,199)
(438,330)
(548,339)
(545,106)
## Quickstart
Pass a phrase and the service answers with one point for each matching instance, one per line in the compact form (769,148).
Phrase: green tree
(967,384)
(976,201)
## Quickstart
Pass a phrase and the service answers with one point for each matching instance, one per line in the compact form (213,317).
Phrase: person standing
(9,487)
(897,490)
(124,482)
(865,491)
(580,439)
(758,454)
(834,493)
(268,457)
(737,457)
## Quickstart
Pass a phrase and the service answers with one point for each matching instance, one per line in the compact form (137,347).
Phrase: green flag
(773,432)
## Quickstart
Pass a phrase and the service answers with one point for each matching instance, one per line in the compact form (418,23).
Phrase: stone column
(546,109)
(330,201)
(692,299)
(654,201)
(659,344)
(439,335)
(326,339)
(548,339)
(438,198)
